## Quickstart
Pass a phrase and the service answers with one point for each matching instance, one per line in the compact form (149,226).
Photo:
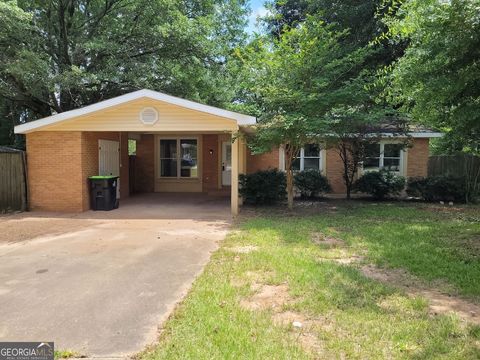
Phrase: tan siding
(126,117)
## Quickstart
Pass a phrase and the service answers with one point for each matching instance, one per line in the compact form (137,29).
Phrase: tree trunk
(348,193)
(290,188)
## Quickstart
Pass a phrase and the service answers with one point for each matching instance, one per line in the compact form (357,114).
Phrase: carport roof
(241,119)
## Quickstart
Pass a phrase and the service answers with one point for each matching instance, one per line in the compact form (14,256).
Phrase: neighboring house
(181,146)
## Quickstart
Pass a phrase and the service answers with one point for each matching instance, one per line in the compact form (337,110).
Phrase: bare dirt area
(25,226)
(439,303)
(275,298)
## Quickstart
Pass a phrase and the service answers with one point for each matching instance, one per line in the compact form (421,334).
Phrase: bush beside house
(439,188)
(263,187)
(380,184)
(311,183)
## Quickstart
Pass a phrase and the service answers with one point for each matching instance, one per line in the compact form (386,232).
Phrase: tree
(352,133)
(63,54)
(436,81)
(300,82)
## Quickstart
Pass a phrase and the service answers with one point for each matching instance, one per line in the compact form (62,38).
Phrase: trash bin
(103,192)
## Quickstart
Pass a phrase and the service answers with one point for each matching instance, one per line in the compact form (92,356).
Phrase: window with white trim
(178,158)
(387,156)
(310,158)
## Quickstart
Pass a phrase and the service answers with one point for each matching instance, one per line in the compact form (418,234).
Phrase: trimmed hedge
(380,184)
(311,183)
(263,187)
(438,188)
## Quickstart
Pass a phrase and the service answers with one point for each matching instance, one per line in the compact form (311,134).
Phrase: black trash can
(103,192)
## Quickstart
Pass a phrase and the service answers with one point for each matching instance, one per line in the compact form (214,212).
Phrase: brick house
(181,146)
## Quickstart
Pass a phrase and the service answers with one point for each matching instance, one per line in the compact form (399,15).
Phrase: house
(181,146)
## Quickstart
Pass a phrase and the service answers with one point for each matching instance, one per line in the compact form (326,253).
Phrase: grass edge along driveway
(274,290)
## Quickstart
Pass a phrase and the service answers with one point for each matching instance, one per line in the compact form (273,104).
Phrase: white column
(234,187)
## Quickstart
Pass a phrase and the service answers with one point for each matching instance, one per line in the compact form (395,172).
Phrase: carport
(182,147)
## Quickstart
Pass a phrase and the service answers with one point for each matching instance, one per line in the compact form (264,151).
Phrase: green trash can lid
(102,177)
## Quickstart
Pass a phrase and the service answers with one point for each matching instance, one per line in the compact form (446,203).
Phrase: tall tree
(305,84)
(437,80)
(56,55)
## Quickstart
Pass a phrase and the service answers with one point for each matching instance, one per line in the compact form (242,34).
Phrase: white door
(109,160)
(226,163)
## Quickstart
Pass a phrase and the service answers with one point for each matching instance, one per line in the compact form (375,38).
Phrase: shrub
(380,184)
(438,188)
(263,187)
(311,182)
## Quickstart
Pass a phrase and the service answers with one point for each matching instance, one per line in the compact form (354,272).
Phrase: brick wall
(59,164)
(54,162)
(145,164)
(334,171)
(264,161)
(417,158)
(210,162)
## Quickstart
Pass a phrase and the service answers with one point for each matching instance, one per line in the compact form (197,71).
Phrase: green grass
(65,354)
(360,318)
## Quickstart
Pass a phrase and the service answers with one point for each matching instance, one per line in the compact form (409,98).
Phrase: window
(178,158)
(383,156)
(310,158)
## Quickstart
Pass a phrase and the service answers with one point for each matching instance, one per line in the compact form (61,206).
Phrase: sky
(258,9)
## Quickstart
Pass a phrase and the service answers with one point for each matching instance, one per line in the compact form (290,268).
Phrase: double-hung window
(310,158)
(384,156)
(178,158)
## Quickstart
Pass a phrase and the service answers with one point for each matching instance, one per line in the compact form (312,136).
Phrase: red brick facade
(417,159)
(59,164)
(417,163)
(270,160)
(145,164)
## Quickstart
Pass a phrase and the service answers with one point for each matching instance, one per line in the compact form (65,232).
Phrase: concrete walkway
(101,283)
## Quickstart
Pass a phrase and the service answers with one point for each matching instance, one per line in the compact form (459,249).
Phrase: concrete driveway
(101,283)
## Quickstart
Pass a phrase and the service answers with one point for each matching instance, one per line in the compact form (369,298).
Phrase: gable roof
(241,119)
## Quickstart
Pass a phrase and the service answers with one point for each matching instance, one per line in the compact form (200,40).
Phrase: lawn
(275,269)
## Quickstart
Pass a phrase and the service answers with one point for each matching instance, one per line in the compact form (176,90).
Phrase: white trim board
(241,119)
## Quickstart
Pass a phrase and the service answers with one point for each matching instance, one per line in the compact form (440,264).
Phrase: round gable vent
(148,116)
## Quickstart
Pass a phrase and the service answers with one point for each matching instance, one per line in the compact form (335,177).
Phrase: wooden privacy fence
(13,180)
(457,165)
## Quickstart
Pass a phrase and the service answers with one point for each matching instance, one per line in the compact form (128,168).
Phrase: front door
(226,163)
(109,160)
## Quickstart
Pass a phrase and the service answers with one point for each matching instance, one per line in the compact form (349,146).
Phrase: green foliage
(436,80)
(60,55)
(440,188)
(325,88)
(311,183)
(380,184)
(263,187)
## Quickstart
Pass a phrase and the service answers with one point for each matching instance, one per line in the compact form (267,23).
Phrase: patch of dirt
(439,303)
(274,298)
(321,239)
(267,297)
(25,226)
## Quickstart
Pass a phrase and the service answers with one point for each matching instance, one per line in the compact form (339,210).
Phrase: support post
(234,181)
